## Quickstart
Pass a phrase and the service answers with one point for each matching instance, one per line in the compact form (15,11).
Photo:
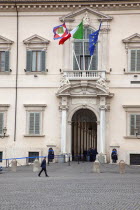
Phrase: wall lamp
(4,133)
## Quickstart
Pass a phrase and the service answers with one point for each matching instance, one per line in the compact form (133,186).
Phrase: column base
(102,158)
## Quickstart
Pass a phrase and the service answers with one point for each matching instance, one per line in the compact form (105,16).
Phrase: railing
(78,74)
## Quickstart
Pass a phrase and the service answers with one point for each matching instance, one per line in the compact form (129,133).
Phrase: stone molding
(70,17)
(39,5)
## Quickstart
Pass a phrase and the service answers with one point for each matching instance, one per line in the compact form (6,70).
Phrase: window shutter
(138,60)
(86,48)
(78,48)
(37,123)
(1,123)
(43,61)
(31,123)
(7,61)
(29,61)
(75,66)
(78,52)
(138,123)
(133,60)
(132,124)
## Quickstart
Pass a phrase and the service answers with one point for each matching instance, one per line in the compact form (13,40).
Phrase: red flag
(64,39)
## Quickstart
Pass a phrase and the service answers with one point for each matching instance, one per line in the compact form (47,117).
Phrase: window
(34,119)
(81,55)
(1,154)
(4,61)
(36,61)
(33,156)
(134,124)
(135,60)
(34,123)
(36,48)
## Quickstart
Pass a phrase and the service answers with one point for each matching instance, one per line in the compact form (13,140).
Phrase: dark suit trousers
(43,169)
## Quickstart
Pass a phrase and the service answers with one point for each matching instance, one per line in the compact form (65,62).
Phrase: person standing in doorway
(43,166)
(114,156)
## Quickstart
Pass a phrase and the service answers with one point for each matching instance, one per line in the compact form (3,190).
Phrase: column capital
(103,107)
(63,107)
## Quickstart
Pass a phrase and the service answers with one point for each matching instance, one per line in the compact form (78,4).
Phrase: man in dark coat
(43,166)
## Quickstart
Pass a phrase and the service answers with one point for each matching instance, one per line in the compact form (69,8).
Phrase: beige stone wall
(43,89)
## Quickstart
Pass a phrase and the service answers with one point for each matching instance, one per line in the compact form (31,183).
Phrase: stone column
(102,125)
(102,129)
(63,108)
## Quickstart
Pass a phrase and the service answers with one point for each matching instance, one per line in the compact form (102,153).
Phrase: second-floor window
(36,61)
(134,60)
(4,61)
(81,55)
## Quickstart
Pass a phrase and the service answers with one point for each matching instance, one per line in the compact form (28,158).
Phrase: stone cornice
(47,5)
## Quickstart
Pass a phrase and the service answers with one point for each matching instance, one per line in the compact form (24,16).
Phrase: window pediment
(36,39)
(4,40)
(135,38)
(71,16)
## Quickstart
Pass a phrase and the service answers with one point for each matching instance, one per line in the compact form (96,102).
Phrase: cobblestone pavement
(72,187)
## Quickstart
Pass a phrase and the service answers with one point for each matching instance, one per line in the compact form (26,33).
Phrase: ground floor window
(1,154)
(33,156)
(134,159)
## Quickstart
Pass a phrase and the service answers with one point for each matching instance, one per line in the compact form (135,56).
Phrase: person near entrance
(43,166)
(114,156)
(93,153)
(50,154)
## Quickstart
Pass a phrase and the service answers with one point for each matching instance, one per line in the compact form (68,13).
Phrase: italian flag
(76,33)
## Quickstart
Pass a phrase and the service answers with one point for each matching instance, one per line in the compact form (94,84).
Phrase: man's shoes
(38,175)
(47,176)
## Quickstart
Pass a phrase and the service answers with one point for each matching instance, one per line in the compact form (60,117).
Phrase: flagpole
(83,56)
(90,62)
(76,59)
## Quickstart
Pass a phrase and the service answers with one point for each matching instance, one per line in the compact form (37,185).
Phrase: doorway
(84,133)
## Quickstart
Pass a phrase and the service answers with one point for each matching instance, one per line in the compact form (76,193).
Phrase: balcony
(84,74)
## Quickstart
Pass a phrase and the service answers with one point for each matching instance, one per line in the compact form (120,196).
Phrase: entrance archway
(84,132)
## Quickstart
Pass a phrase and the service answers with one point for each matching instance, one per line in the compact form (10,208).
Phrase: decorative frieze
(47,5)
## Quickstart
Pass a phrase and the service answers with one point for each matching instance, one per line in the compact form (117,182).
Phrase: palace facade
(59,96)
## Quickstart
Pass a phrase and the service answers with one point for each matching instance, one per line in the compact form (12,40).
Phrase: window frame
(135,114)
(130,110)
(84,40)
(34,108)
(40,122)
(129,61)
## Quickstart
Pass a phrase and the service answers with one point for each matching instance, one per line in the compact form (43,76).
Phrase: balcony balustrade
(84,75)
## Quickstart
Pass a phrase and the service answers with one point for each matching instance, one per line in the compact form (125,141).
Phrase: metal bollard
(96,167)
(14,165)
(122,167)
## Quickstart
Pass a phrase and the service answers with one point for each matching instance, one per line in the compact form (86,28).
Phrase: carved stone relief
(83,101)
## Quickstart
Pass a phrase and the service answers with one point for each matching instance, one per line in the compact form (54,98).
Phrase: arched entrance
(84,132)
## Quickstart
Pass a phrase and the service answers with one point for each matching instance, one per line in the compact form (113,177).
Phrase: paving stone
(72,187)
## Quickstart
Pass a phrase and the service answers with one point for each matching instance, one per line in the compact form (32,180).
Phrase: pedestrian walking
(43,166)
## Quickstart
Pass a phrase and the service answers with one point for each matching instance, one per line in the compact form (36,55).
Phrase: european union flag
(93,38)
